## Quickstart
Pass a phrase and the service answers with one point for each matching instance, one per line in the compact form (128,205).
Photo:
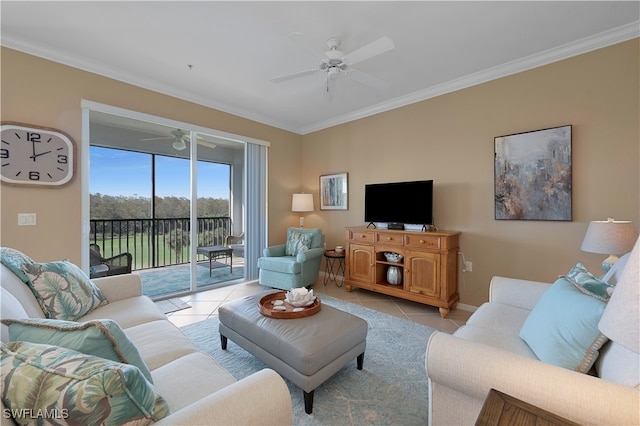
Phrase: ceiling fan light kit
(334,62)
(179,145)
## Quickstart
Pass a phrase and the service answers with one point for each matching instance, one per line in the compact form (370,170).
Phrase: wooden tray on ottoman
(266,307)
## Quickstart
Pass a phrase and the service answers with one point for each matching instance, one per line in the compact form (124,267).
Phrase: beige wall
(448,139)
(44,93)
(451,139)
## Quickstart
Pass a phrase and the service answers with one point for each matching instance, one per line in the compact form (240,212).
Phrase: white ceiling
(236,48)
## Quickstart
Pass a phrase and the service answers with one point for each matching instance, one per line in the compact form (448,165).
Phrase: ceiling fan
(334,63)
(181,139)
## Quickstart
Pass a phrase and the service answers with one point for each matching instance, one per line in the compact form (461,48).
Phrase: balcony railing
(155,243)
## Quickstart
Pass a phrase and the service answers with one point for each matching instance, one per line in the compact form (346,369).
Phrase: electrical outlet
(468,267)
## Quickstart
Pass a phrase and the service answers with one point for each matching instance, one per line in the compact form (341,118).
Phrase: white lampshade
(302,203)
(621,320)
(611,237)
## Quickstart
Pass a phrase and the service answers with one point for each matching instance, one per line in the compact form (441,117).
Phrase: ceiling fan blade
(206,144)
(364,78)
(302,42)
(295,75)
(381,45)
(156,139)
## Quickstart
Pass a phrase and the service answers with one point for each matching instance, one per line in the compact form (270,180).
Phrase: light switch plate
(26,219)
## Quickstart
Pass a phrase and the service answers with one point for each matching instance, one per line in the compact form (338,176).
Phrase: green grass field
(140,248)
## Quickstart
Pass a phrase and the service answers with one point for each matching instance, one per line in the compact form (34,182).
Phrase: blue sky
(117,172)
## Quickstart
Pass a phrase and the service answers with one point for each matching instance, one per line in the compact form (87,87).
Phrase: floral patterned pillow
(297,242)
(588,283)
(68,387)
(14,259)
(63,290)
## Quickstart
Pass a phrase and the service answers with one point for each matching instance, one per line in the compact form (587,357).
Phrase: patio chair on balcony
(104,267)
(235,243)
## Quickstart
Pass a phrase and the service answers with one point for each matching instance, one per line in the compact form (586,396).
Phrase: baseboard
(467,308)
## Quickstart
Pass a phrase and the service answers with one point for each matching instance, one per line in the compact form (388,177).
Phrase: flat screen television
(399,203)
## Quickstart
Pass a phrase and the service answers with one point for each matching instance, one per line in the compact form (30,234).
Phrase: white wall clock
(31,155)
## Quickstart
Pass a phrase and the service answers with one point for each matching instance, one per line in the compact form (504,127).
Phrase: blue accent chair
(284,272)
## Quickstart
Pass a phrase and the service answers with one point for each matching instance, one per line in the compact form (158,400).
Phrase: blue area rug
(390,390)
(172,305)
(174,279)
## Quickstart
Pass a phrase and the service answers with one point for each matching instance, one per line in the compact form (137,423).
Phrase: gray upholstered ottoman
(306,351)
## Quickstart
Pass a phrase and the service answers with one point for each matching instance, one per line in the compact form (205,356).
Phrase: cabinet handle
(421,241)
(388,238)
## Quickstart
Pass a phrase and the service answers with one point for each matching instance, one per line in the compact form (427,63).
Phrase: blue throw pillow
(103,338)
(562,329)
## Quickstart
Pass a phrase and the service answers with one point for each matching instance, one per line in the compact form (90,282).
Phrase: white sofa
(196,388)
(488,353)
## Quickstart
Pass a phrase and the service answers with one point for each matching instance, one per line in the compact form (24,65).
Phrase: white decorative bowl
(339,249)
(300,297)
(393,257)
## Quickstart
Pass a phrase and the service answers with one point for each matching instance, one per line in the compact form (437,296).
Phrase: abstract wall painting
(334,192)
(532,174)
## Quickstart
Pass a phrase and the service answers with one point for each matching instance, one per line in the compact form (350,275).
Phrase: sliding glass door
(215,261)
(168,196)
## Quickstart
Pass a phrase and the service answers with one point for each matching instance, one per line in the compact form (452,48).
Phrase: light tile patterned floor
(206,304)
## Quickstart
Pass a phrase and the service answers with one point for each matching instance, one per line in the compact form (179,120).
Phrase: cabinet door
(361,263)
(422,273)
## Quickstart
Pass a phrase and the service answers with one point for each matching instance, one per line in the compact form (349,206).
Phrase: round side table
(335,267)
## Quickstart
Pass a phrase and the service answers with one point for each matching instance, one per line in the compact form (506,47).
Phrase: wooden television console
(429,265)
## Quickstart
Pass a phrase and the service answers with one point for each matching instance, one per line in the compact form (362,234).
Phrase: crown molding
(585,45)
(604,39)
(118,75)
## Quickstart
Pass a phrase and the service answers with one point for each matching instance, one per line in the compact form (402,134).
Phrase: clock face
(35,156)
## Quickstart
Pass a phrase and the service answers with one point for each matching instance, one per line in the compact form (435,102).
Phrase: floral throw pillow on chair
(297,242)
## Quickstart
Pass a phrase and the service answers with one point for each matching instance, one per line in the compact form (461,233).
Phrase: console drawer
(421,241)
(361,236)
(389,238)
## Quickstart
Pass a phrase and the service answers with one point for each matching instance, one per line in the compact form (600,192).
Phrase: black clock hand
(38,155)
(33,145)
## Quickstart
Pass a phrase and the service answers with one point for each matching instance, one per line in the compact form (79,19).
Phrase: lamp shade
(302,203)
(609,237)
(621,319)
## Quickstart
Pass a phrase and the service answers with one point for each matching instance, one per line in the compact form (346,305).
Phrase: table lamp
(621,320)
(302,203)
(612,237)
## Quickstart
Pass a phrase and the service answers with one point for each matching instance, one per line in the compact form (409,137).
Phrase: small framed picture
(334,192)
